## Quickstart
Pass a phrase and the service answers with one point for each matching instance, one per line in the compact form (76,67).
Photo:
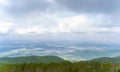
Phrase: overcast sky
(75,20)
(94,20)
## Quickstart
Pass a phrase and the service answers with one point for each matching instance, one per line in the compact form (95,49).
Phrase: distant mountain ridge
(30,59)
(48,59)
(107,59)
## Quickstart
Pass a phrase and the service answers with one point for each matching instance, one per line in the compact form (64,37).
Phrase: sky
(64,21)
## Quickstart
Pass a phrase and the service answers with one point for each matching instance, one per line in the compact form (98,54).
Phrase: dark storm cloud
(26,6)
(92,6)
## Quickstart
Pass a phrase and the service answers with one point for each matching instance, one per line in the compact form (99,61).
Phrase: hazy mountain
(30,59)
(48,59)
(108,59)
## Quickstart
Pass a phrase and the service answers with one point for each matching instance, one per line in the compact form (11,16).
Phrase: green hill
(48,59)
(30,59)
(107,59)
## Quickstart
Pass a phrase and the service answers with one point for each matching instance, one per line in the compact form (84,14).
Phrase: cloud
(73,58)
(4,2)
(30,30)
(5,27)
(68,52)
(96,49)
(41,17)
(58,17)
(11,52)
(49,23)
(20,51)
(89,6)
(54,24)
(64,53)
(21,7)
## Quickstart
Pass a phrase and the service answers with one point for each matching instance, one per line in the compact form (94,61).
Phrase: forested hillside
(62,67)
(57,64)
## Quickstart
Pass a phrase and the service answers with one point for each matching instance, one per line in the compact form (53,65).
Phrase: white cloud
(5,27)
(42,23)
(21,51)
(85,23)
(57,21)
(98,49)
(73,58)
(53,23)
(30,30)
(13,52)
(4,2)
